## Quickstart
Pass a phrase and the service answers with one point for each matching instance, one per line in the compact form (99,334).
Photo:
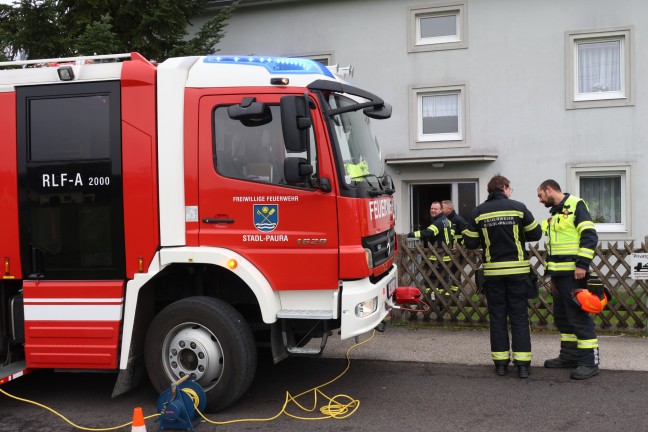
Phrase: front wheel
(208,340)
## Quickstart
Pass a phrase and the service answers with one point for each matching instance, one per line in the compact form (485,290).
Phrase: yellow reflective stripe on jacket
(567,337)
(518,243)
(585,225)
(505,264)
(491,215)
(432,228)
(508,271)
(522,356)
(566,248)
(586,253)
(531,226)
(487,244)
(471,234)
(500,355)
(503,268)
(446,258)
(558,266)
(587,343)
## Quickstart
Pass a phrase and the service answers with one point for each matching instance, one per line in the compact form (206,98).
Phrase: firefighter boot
(501,367)
(523,369)
(568,357)
(584,372)
(587,364)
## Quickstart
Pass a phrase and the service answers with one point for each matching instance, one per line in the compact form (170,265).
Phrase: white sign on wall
(639,263)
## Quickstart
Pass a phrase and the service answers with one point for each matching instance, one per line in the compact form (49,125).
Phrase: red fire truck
(175,218)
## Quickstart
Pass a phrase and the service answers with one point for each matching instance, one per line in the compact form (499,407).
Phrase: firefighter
(437,234)
(571,240)
(501,226)
(459,224)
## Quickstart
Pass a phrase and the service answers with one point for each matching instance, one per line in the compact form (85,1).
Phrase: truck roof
(201,71)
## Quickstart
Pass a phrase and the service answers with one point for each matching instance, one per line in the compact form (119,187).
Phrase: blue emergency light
(275,65)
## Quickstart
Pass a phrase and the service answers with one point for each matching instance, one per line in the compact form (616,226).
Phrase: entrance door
(289,231)
(69,162)
(462,194)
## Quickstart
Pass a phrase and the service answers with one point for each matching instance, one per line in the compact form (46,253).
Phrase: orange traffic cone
(138,421)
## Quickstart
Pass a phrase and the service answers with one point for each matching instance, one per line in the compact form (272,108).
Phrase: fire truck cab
(182,216)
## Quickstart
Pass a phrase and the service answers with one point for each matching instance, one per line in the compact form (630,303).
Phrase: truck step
(306,314)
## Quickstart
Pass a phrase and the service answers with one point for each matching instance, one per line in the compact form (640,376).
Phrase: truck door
(289,231)
(69,162)
(71,223)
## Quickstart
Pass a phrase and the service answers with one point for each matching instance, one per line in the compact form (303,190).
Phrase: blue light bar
(275,65)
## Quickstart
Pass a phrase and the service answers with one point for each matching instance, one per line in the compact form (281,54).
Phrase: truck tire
(207,339)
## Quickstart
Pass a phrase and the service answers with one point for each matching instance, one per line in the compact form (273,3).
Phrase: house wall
(514,73)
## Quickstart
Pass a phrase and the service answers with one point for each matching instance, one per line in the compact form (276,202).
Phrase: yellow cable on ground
(334,409)
(68,421)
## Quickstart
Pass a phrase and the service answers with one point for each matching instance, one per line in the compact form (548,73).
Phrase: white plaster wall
(514,68)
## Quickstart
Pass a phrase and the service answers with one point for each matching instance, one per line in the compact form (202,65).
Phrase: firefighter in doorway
(571,240)
(437,234)
(501,226)
(459,224)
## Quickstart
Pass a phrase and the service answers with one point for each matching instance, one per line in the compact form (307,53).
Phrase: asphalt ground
(429,344)
(414,378)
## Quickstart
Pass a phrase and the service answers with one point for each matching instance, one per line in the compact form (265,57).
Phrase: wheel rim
(191,349)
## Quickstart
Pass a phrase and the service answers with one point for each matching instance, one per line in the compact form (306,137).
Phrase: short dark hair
(497,184)
(553,184)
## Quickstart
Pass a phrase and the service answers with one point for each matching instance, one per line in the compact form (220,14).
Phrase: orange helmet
(588,301)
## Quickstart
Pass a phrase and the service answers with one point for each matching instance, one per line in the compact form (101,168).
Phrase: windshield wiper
(381,187)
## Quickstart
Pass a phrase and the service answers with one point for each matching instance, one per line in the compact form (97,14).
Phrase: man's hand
(579,273)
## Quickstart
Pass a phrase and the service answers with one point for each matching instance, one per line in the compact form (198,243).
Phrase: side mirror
(295,122)
(250,112)
(297,170)
(379,112)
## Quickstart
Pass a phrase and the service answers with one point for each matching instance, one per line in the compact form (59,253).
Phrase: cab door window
(254,152)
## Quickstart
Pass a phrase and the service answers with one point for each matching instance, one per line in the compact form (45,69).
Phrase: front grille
(382,246)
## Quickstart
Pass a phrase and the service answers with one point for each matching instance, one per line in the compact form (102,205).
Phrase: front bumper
(363,291)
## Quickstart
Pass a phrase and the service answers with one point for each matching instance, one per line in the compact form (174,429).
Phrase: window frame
(327,58)
(625,96)
(440,140)
(608,231)
(418,44)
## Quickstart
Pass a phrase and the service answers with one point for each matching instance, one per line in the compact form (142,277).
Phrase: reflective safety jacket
(571,236)
(501,226)
(437,234)
(459,224)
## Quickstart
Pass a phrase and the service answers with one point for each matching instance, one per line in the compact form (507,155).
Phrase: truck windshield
(357,143)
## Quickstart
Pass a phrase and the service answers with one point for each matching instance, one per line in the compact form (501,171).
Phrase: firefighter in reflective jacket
(571,240)
(437,234)
(501,226)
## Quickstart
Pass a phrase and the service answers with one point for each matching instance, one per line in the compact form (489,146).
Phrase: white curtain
(603,195)
(445,105)
(599,66)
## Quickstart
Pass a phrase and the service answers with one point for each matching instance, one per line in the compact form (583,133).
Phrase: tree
(157,29)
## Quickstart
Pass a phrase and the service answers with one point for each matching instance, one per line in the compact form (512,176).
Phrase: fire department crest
(266,217)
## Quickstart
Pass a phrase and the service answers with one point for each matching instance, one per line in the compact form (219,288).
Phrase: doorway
(462,194)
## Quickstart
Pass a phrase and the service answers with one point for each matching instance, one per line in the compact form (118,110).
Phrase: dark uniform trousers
(578,341)
(507,295)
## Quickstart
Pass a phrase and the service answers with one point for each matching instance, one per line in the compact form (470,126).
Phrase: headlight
(366,308)
(369,257)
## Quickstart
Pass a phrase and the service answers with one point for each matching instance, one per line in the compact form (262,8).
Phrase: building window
(599,72)
(606,189)
(440,27)
(439,114)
